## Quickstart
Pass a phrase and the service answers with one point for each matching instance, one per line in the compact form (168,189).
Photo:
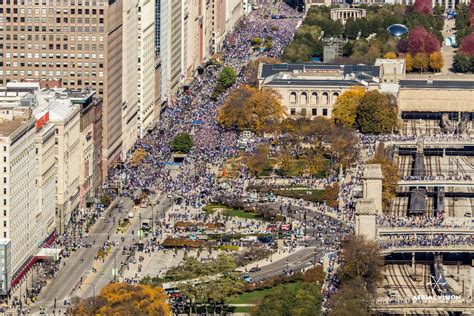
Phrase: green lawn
(255,296)
(239,213)
(211,208)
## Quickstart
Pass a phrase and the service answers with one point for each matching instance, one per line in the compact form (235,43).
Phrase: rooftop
(7,127)
(437,84)
(272,69)
(310,82)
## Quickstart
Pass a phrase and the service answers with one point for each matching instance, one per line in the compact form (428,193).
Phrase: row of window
(51,20)
(51,38)
(52,73)
(325,99)
(314,112)
(79,65)
(58,29)
(51,11)
(57,56)
(51,2)
(81,83)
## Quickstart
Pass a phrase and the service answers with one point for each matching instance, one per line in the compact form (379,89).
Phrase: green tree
(182,143)
(352,29)
(462,63)
(297,52)
(377,113)
(284,301)
(227,77)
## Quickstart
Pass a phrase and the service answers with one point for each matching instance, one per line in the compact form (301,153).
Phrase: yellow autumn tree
(346,105)
(390,55)
(409,62)
(126,299)
(421,61)
(250,108)
(436,61)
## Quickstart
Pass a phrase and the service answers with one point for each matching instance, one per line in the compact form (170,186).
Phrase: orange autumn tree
(250,108)
(126,299)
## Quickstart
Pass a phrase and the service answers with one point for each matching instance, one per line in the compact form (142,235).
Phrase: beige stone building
(66,118)
(311,90)
(343,14)
(130,57)
(139,60)
(79,42)
(25,221)
(46,177)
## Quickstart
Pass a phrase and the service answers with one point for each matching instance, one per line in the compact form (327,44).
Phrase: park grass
(313,195)
(211,208)
(240,213)
(255,296)
(243,309)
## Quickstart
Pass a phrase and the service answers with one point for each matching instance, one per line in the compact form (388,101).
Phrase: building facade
(310,90)
(79,42)
(130,56)
(19,192)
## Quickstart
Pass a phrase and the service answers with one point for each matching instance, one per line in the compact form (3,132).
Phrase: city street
(67,282)
(297,261)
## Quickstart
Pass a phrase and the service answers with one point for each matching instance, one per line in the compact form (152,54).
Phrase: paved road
(301,259)
(65,284)
(70,274)
(105,274)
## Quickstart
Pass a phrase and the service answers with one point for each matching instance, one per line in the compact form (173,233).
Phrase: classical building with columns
(312,89)
(343,14)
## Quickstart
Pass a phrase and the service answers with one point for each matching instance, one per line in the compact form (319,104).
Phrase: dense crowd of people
(427,240)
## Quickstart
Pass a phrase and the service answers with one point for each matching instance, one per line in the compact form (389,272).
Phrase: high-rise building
(139,51)
(162,48)
(75,117)
(78,41)
(130,67)
(18,186)
(175,45)
(146,65)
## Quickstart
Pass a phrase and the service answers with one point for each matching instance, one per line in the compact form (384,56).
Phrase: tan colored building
(436,96)
(21,218)
(311,90)
(76,117)
(130,63)
(146,66)
(79,42)
(46,178)
(66,118)
(343,14)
